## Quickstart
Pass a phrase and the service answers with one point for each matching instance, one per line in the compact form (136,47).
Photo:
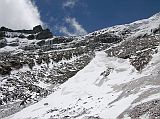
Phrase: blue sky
(77,17)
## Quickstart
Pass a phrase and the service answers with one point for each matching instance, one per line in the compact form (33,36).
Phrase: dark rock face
(107,38)
(16,64)
(31,37)
(21,36)
(37,29)
(2,34)
(19,31)
(3,43)
(45,34)
(155,31)
(141,60)
(5,29)
(5,69)
(42,34)
(138,50)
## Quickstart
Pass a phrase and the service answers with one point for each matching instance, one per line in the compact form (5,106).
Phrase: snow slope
(89,93)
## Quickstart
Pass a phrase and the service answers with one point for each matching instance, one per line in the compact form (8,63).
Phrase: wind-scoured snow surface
(99,90)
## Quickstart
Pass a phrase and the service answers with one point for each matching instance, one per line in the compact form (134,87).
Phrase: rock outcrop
(44,34)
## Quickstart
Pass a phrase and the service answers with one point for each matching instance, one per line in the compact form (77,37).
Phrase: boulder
(107,38)
(44,34)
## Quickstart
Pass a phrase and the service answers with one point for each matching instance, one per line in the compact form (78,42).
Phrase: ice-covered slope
(88,93)
(105,88)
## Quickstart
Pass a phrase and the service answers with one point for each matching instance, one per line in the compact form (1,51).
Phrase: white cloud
(65,31)
(75,28)
(69,3)
(19,14)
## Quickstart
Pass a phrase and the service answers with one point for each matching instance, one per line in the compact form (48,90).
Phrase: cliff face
(110,73)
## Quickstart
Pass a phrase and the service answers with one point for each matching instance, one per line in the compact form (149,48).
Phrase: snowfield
(93,91)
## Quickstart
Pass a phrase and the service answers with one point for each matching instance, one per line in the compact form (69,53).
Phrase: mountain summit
(107,74)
